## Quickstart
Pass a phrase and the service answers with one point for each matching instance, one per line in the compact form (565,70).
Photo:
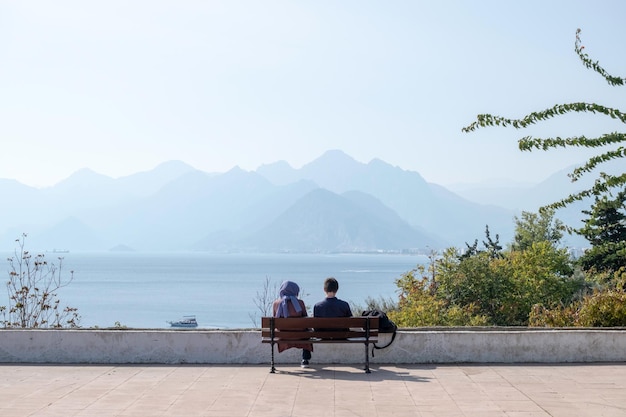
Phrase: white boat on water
(186,321)
(55,250)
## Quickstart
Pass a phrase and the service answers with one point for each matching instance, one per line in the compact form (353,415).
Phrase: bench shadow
(378,373)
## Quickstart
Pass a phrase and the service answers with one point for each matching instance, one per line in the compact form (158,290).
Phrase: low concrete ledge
(420,345)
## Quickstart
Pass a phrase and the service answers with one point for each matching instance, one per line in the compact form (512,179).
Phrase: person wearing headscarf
(289,305)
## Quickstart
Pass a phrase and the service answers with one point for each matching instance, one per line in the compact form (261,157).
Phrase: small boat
(55,250)
(186,321)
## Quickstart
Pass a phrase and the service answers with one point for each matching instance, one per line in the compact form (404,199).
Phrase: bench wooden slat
(319,322)
(295,335)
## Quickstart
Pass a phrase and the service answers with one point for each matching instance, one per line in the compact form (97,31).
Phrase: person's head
(289,289)
(331,285)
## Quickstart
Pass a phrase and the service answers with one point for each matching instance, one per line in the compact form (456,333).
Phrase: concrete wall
(425,345)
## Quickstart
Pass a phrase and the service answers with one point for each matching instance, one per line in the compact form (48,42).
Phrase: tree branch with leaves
(605,182)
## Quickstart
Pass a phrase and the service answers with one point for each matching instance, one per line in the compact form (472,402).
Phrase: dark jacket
(332,307)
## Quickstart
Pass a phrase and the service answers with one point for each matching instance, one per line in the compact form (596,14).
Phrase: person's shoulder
(275,306)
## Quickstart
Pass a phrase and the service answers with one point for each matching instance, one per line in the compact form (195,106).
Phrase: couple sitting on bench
(288,305)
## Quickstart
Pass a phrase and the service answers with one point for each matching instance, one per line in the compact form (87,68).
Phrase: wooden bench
(320,330)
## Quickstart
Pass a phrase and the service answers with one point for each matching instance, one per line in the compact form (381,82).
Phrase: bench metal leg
(273,370)
(367,359)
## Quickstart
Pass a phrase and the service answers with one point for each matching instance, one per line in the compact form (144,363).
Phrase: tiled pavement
(484,390)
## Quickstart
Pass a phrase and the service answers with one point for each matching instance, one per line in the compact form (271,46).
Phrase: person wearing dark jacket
(331,306)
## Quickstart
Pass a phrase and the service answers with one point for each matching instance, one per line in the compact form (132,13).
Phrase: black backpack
(385,325)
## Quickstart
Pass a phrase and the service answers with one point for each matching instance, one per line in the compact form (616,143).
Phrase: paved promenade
(564,390)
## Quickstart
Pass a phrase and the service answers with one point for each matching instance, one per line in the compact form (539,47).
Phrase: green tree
(490,286)
(417,304)
(504,289)
(543,274)
(478,280)
(605,182)
(491,247)
(605,229)
(420,303)
(32,289)
(536,227)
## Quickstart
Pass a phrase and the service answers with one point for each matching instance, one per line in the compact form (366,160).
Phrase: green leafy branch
(602,185)
(486,120)
(587,62)
(605,182)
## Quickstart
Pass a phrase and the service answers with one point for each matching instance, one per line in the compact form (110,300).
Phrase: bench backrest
(298,328)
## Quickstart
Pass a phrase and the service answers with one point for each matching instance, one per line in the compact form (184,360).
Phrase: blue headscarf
(288,291)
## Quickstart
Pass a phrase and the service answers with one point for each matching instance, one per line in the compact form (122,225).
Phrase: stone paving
(485,390)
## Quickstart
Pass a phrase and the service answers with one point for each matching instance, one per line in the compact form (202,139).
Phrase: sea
(223,291)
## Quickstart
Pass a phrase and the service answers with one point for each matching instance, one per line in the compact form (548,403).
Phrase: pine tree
(605,229)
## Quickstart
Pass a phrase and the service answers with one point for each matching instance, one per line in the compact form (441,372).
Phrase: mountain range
(332,204)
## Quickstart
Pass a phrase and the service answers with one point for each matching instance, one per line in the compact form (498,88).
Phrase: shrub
(604,309)
(32,289)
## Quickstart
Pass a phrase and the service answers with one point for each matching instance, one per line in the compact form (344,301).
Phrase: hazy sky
(121,86)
